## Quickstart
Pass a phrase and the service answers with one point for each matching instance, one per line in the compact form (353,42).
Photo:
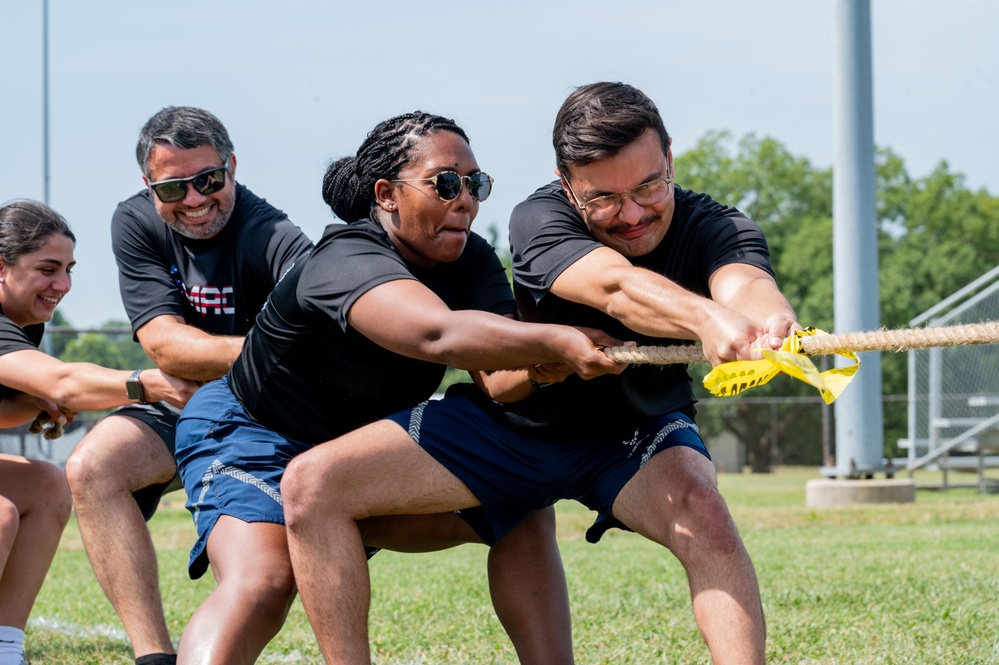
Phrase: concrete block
(837,492)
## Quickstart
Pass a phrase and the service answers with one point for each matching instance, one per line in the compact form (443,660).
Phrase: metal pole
(859,428)
(45,100)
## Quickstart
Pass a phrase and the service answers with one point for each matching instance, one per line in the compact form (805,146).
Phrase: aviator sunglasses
(207,182)
(448,184)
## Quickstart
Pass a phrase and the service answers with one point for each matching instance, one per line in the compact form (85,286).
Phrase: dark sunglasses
(448,184)
(207,182)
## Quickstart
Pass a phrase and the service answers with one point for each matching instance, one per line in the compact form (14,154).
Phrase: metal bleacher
(954,393)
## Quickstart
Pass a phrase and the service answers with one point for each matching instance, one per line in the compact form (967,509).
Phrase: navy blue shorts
(162,419)
(233,465)
(230,465)
(513,471)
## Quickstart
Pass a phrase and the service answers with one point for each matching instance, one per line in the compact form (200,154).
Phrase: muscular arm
(407,318)
(185,351)
(653,305)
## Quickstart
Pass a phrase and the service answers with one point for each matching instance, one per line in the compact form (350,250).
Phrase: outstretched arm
(85,386)
(651,304)
(406,317)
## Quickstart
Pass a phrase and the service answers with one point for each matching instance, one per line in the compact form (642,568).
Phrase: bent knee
(267,590)
(537,524)
(92,470)
(306,490)
(10,518)
(53,490)
(85,465)
(706,515)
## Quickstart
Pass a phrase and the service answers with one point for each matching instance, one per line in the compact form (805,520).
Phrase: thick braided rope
(814,345)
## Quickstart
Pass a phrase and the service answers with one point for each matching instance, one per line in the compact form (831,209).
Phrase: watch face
(133,389)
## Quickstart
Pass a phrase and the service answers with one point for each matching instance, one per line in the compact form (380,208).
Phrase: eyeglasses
(604,207)
(448,184)
(175,189)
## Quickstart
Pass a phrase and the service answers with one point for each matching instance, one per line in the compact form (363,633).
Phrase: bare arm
(406,317)
(753,293)
(513,385)
(651,304)
(183,350)
(17,409)
(85,386)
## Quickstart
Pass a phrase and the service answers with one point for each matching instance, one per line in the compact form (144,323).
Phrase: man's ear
(565,186)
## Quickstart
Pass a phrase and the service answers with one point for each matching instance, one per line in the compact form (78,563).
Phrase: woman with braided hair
(363,326)
(36,258)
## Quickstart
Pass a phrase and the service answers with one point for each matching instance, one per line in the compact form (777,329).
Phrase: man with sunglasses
(197,254)
(612,245)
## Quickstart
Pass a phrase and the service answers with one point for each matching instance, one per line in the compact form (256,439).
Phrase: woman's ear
(385,195)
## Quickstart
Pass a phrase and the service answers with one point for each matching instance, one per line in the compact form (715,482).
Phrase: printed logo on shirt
(205,299)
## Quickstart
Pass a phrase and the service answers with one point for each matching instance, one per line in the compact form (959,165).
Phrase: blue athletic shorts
(233,465)
(230,465)
(512,471)
(162,419)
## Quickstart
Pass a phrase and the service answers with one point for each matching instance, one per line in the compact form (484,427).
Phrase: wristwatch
(133,388)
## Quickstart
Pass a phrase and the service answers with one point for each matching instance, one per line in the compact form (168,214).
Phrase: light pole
(45,101)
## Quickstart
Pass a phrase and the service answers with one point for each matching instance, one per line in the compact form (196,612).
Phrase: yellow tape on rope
(737,376)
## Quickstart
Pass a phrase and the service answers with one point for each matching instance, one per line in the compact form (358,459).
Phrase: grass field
(903,583)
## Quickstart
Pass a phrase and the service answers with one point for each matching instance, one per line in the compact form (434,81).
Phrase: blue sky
(300,85)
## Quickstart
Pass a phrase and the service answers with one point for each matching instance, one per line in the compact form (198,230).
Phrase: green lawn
(902,583)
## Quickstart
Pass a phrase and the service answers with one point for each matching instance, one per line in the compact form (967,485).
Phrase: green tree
(55,341)
(93,348)
(119,334)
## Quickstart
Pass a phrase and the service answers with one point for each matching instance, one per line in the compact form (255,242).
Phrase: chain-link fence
(799,431)
(954,391)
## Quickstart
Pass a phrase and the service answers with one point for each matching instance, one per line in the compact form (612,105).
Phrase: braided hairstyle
(24,227)
(349,183)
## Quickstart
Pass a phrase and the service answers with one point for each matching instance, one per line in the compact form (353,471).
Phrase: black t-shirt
(217,285)
(15,338)
(547,235)
(304,372)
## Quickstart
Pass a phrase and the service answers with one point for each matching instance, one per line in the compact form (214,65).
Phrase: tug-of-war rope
(734,377)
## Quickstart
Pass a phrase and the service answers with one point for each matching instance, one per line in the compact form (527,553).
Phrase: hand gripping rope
(43,424)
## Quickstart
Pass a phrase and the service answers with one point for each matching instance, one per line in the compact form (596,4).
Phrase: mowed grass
(893,583)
